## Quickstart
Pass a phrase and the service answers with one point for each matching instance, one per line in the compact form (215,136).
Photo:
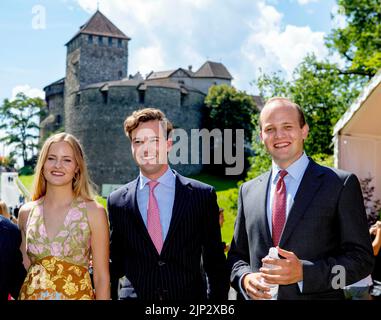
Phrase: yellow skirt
(54,279)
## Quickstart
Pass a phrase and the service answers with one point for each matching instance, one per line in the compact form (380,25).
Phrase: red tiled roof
(99,25)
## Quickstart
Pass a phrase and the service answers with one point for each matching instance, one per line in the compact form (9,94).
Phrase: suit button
(161,263)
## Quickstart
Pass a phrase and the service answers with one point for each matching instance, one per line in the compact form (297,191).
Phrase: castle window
(77,99)
(119,43)
(90,39)
(58,120)
(182,98)
(100,40)
(110,42)
(76,68)
(104,96)
(141,96)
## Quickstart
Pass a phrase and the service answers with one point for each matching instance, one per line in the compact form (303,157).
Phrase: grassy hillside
(27,181)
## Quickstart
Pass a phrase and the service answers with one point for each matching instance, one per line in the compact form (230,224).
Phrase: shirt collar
(295,170)
(168,179)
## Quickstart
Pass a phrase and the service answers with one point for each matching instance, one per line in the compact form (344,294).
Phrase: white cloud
(148,59)
(304,2)
(28,91)
(275,48)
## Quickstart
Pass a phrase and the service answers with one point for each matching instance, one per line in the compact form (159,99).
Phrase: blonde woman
(62,227)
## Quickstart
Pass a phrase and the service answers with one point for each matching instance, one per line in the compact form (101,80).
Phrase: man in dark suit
(163,224)
(12,272)
(314,215)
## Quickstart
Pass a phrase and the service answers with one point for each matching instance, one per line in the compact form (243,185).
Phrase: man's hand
(290,269)
(254,288)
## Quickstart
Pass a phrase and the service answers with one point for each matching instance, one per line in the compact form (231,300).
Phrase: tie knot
(152,184)
(282,173)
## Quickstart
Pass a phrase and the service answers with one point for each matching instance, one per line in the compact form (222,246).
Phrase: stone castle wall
(98,123)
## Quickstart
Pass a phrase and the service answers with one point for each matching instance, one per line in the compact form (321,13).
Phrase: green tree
(229,108)
(359,41)
(19,119)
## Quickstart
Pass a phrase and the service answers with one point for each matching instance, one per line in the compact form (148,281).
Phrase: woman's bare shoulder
(24,212)
(95,208)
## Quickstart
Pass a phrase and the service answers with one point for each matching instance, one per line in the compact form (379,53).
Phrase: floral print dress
(59,266)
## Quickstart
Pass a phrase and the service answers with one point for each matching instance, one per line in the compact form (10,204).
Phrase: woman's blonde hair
(82,185)
(4,209)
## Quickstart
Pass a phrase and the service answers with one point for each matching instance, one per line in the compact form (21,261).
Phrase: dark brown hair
(145,115)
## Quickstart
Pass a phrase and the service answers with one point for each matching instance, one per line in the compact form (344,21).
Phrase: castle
(97,94)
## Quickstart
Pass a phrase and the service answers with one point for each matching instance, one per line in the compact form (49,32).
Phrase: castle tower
(98,52)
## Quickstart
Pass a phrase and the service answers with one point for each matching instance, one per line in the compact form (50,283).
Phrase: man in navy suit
(12,272)
(315,216)
(164,227)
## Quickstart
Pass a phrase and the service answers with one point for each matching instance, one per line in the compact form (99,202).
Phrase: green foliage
(20,120)
(102,201)
(323,159)
(228,199)
(26,170)
(230,109)
(372,205)
(27,181)
(358,42)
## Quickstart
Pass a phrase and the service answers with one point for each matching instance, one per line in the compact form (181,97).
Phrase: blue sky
(245,35)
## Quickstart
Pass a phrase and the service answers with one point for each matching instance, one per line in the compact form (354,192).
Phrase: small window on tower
(77,99)
(58,120)
(141,96)
(182,98)
(119,43)
(75,68)
(100,40)
(110,42)
(105,97)
(90,39)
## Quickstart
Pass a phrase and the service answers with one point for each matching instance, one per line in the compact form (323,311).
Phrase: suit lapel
(261,203)
(133,209)
(308,188)
(182,198)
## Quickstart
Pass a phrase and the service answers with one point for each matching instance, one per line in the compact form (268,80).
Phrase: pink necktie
(153,218)
(279,208)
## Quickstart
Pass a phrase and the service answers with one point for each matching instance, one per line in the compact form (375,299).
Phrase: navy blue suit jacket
(326,227)
(194,232)
(12,272)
